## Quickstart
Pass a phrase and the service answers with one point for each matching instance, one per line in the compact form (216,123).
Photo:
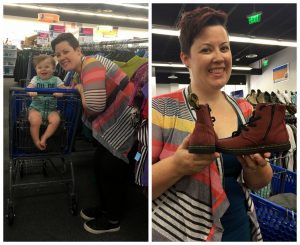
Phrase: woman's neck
(207,96)
(79,66)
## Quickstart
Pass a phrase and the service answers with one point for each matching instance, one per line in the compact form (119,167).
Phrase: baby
(43,107)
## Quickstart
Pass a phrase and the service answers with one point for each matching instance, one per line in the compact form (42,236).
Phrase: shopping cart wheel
(10,215)
(74,205)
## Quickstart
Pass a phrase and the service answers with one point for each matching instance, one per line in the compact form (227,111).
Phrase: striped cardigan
(107,91)
(191,209)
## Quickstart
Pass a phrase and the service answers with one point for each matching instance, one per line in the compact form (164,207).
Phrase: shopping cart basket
(277,223)
(25,159)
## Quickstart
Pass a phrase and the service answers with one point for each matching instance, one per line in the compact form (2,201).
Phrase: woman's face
(68,57)
(210,59)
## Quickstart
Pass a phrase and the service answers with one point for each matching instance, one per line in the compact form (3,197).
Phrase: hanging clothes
(131,66)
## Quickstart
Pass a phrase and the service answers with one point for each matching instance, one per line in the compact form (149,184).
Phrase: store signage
(107,31)
(57,28)
(48,17)
(84,31)
(43,38)
(86,35)
(281,73)
(254,18)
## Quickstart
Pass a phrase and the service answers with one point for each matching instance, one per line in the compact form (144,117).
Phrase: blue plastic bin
(276,222)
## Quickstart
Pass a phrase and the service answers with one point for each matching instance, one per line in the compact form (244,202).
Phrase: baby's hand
(58,94)
(32,94)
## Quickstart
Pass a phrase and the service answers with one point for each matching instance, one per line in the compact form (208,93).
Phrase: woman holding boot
(200,194)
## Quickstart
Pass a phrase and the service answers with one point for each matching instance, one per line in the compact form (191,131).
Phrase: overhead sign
(55,30)
(107,31)
(47,17)
(43,38)
(86,35)
(254,18)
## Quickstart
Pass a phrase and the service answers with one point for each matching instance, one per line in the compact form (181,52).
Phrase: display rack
(9,60)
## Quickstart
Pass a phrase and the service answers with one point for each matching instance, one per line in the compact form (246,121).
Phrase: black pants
(112,176)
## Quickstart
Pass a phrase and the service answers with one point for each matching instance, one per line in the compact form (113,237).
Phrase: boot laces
(213,119)
(246,126)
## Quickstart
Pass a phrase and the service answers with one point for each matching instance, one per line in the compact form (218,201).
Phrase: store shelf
(9,60)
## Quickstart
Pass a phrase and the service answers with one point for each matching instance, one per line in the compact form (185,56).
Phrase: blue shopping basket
(276,222)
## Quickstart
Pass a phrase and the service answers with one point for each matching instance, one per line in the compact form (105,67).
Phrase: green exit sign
(254,18)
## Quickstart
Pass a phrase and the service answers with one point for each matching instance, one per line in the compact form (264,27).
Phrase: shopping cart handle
(50,90)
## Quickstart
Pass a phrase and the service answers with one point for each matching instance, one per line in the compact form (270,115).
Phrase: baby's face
(45,69)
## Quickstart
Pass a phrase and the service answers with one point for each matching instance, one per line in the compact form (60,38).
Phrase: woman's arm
(168,171)
(93,87)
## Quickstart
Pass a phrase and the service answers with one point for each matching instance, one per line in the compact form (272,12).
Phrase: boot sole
(201,149)
(257,149)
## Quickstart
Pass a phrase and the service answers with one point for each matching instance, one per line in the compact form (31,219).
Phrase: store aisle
(45,216)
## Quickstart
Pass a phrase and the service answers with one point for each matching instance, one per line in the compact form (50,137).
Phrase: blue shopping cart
(54,164)
(277,223)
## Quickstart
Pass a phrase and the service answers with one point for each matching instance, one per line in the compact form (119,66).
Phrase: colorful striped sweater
(107,91)
(191,209)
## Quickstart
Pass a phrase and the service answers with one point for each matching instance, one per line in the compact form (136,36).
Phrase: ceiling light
(168,65)
(242,68)
(178,65)
(173,76)
(235,38)
(251,56)
(77,12)
(129,5)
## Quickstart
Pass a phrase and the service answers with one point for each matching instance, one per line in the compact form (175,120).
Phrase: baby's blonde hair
(37,59)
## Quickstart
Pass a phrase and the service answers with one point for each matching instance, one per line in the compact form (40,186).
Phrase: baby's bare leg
(35,120)
(53,123)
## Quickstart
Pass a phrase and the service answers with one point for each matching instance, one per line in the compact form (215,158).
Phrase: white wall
(265,81)
(17,28)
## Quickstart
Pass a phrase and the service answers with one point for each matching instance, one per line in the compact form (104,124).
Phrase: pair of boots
(265,132)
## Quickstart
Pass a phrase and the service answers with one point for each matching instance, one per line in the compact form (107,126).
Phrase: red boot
(265,132)
(203,138)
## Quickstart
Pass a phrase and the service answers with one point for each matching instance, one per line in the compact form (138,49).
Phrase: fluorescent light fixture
(165,32)
(242,68)
(173,76)
(262,41)
(178,65)
(129,5)
(70,11)
(235,38)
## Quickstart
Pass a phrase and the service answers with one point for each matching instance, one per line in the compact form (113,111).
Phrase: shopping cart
(54,165)
(277,223)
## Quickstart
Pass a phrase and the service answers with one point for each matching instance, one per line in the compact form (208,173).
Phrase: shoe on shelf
(265,132)
(101,225)
(203,138)
(91,213)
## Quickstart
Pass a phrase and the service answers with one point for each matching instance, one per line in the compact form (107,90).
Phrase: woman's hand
(253,162)
(257,172)
(186,163)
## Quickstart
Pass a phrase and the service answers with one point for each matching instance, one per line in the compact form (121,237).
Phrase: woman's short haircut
(193,22)
(39,58)
(68,37)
